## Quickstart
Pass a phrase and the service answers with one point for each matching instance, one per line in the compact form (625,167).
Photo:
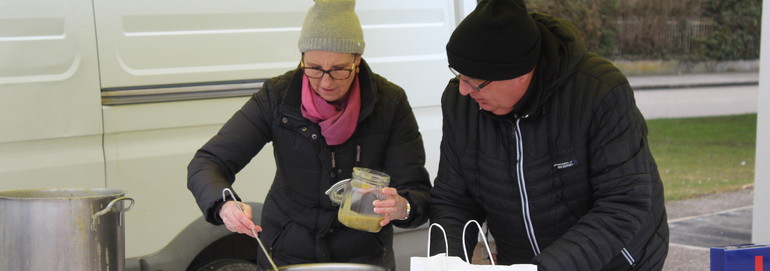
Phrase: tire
(229,265)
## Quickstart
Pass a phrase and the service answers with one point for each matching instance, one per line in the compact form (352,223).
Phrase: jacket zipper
(530,229)
(628,256)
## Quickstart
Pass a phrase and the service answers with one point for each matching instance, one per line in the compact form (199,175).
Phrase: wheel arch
(197,244)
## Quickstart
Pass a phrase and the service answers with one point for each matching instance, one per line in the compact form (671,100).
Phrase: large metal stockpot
(62,229)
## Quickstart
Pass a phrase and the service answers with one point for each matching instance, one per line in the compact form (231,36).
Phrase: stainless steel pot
(62,229)
(331,267)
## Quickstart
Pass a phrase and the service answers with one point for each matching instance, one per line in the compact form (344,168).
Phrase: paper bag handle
(446,243)
(483,237)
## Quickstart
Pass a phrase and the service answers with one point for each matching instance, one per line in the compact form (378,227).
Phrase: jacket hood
(563,50)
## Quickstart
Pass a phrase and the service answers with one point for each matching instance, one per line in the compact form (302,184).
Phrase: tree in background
(590,17)
(663,29)
(737,24)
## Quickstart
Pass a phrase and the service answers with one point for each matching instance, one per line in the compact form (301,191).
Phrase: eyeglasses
(476,88)
(318,73)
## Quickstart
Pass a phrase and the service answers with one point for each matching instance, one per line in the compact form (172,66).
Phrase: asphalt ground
(701,223)
(697,80)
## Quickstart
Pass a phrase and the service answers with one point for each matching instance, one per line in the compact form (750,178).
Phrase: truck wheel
(229,265)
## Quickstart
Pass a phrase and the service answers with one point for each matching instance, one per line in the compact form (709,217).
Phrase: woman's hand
(237,221)
(393,206)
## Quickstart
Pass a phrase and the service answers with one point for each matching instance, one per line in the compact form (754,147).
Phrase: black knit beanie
(497,41)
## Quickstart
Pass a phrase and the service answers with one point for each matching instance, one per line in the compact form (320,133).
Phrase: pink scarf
(338,122)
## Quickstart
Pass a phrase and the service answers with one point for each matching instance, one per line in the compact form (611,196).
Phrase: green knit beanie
(332,25)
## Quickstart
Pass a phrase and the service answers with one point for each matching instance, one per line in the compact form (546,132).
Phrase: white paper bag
(442,262)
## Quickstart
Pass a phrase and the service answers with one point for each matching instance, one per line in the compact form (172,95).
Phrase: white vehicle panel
(49,96)
(167,42)
(47,68)
(71,162)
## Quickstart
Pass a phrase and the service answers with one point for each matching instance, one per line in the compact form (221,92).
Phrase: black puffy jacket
(299,221)
(567,182)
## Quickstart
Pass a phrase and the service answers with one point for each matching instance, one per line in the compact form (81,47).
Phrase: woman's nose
(326,80)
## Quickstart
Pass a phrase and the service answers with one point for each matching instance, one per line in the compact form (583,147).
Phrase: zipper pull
(358,154)
(334,161)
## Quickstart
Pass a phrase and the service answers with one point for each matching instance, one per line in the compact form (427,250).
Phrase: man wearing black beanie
(543,142)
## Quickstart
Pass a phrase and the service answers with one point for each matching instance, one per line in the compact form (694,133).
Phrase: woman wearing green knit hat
(327,116)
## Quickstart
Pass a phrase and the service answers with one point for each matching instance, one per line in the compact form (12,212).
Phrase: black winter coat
(299,221)
(567,181)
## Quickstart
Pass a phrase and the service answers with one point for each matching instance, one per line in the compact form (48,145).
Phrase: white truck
(120,94)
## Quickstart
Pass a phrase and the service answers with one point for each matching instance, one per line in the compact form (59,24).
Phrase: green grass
(699,156)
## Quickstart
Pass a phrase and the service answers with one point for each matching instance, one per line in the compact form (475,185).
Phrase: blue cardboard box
(748,257)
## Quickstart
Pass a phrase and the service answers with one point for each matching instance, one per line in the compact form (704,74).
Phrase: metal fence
(659,37)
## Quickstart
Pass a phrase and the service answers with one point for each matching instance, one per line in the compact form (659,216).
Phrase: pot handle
(109,208)
(336,190)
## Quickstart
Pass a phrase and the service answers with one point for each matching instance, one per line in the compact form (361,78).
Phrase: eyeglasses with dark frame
(476,88)
(336,74)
